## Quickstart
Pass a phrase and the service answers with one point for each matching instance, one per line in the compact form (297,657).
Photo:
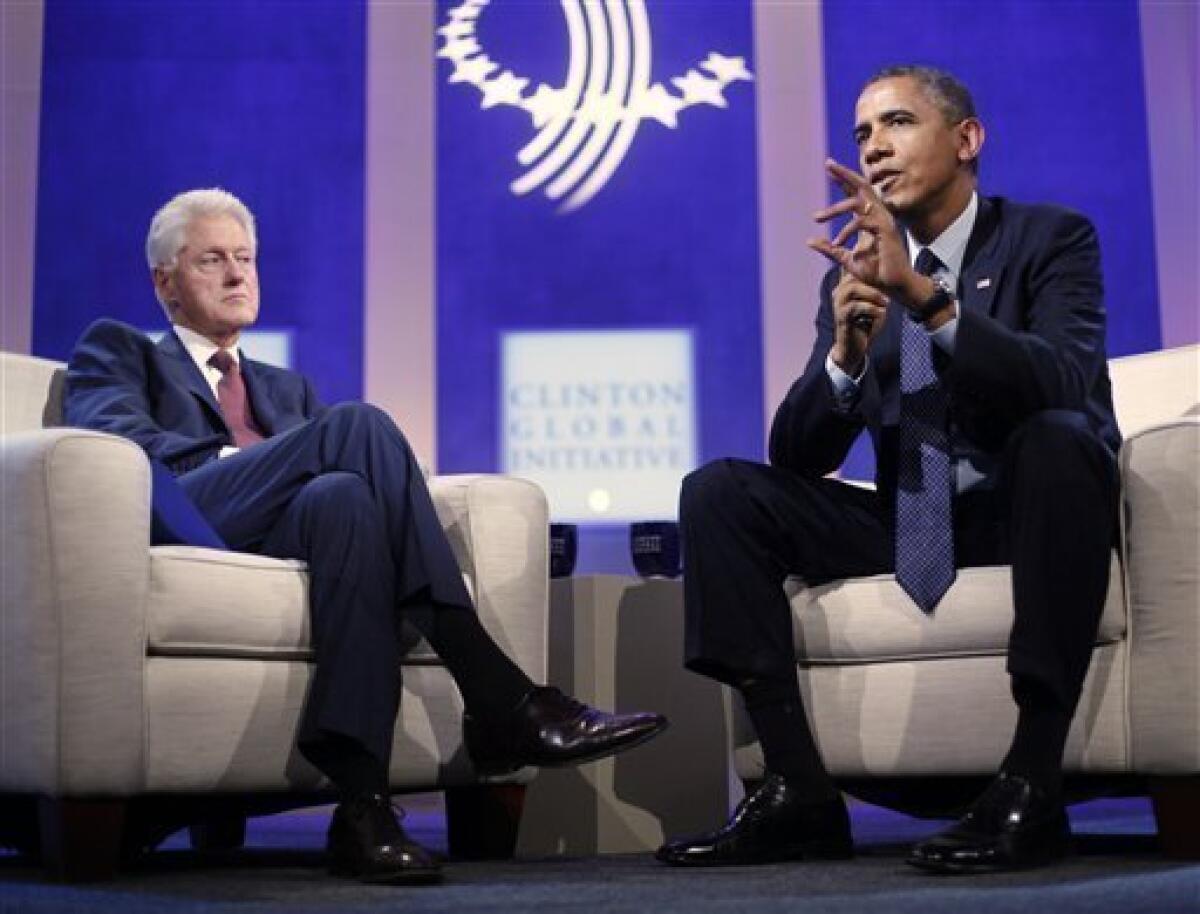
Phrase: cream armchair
(144,688)
(894,695)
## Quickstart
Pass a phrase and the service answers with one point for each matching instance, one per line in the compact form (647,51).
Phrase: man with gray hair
(274,472)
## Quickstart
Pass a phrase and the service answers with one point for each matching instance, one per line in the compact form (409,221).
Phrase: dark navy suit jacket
(120,381)
(1030,337)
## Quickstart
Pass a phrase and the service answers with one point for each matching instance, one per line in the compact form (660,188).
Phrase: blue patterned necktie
(924,522)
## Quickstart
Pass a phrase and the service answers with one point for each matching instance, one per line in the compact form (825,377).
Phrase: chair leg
(19,825)
(218,833)
(81,839)
(482,821)
(1177,811)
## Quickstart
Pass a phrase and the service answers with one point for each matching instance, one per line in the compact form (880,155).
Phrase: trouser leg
(1061,485)
(243,495)
(334,525)
(745,528)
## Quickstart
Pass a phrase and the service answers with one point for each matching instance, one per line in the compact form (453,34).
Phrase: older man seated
(276,473)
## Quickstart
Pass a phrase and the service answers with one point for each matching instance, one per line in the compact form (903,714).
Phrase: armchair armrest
(498,527)
(74,548)
(1160,476)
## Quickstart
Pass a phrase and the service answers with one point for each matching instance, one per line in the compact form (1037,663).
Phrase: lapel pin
(983,283)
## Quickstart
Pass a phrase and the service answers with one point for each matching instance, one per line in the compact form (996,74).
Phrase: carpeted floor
(1117,868)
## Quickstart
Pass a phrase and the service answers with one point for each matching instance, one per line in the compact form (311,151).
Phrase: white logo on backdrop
(585,126)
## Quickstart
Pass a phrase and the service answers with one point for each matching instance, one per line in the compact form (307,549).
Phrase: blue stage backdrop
(141,100)
(596,171)
(1059,88)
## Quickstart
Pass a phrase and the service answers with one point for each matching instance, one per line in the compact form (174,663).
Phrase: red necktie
(235,405)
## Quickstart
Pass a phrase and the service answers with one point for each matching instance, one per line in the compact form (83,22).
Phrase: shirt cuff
(945,336)
(845,388)
(227,450)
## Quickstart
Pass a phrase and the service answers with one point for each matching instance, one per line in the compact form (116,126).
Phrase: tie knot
(222,360)
(928,263)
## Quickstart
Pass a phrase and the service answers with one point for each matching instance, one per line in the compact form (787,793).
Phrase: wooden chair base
(1176,803)
(482,821)
(81,840)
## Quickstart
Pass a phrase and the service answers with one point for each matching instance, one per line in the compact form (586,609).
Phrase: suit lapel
(186,374)
(258,390)
(983,264)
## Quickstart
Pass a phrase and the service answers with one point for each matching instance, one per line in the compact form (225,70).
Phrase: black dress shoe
(1014,825)
(770,825)
(367,843)
(550,729)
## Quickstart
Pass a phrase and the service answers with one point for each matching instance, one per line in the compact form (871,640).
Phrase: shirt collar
(951,245)
(201,348)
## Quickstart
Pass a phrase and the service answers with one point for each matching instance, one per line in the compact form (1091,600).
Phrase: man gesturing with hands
(965,334)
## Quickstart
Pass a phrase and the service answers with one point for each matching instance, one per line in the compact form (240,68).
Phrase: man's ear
(970,139)
(164,285)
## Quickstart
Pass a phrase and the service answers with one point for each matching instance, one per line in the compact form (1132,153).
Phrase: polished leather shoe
(367,843)
(770,825)
(550,729)
(1014,825)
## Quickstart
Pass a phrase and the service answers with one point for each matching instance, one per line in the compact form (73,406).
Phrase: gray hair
(164,241)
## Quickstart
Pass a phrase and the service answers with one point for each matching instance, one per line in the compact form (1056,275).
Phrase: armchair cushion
(210,603)
(871,619)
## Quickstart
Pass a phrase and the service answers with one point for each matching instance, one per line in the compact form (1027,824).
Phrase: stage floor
(1117,868)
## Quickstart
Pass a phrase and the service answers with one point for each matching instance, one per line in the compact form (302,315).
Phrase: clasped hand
(877,268)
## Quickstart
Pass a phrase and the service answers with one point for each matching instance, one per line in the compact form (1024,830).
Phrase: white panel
(603,421)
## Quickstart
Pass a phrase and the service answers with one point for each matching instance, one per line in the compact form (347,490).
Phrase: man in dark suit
(274,472)
(966,334)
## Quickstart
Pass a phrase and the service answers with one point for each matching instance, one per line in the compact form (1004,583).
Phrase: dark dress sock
(354,771)
(490,683)
(788,747)
(1041,735)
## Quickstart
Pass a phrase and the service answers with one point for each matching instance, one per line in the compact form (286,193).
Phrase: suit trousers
(1051,513)
(344,493)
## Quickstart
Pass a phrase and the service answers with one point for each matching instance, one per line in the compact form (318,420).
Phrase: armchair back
(1155,387)
(31,393)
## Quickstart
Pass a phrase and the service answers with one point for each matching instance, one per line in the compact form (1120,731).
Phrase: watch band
(941,297)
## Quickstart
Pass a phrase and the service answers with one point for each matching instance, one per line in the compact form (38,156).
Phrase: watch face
(942,281)
(943,294)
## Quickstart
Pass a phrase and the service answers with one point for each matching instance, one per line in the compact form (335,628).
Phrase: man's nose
(874,149)
(235,271)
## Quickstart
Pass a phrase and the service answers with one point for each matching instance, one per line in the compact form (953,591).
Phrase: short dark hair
(944,89)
